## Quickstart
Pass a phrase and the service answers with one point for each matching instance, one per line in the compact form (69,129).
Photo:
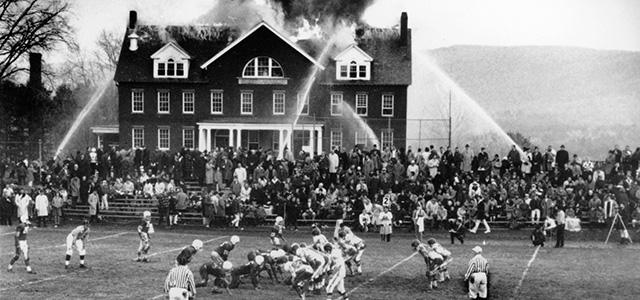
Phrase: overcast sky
(598,24)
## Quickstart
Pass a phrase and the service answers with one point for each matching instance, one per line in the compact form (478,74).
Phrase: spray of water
(478,123)
(95,98)
(372,138)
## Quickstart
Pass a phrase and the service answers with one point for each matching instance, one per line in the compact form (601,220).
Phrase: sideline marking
(7,233)
(524,274)
(372,279)
(176,249)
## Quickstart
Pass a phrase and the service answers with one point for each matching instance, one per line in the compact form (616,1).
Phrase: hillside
(586,99)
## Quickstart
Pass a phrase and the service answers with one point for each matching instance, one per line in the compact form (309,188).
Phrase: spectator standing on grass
(42,208)
(477,275)
(93,206)
(180,283)
(386,221)
(22,200)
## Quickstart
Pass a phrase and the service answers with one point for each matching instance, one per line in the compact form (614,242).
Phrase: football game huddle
(318,268)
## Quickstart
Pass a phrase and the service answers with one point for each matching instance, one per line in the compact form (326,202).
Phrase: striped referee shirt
(180,277)
(477,265)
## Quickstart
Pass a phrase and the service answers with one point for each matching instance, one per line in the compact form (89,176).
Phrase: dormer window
(171,61)
(353,64)
(262,67)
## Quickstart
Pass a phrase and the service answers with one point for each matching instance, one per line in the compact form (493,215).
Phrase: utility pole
(40,149)
(449,119)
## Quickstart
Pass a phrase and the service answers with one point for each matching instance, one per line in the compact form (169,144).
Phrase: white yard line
(176,249)
(35,281)
(524,274)
(7,233)
(372,279)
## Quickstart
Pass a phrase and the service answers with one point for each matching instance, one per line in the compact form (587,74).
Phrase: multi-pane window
(137,101)
(344,73)
(171,68)
(305,105)
(386,139)
(353,70)
(361,137)
(254,139)
(163,102)
(188,138)
(163,138)
(188,103)
(275,140)
(362,101)
(336,139)
(137,137)
(246,103)
(216,102)
(387,105)
(263,66)
(278,103)
(336,104)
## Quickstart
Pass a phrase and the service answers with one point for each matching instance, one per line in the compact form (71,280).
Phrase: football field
(584,269)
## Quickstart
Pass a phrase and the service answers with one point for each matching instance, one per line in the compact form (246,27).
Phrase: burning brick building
(208,87)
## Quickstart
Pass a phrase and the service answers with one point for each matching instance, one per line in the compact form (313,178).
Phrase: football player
(337,271)
(277,240)
(446,256)
(21,244)
(300,275)
(145,229)
(345,235)
(219,274)
(221,253)
(432,259)
(252,268)
(76,239)
(319,239)
(188,252)
(318,261)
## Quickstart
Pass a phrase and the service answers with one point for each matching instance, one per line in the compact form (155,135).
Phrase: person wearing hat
(21,244)
(145,229)
(476,275)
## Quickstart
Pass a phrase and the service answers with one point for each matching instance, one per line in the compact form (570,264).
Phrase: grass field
(584,269)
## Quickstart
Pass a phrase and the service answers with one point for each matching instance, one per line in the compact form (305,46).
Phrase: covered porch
(306,137)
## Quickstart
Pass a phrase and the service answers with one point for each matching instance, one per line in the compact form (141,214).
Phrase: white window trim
(193,101)
(341,104)
(168,100)
(133,136)
(367,65)
(221,102)
(242,103)
(133,110)
(393,102)
(255,68)
(366,104)
(168,137)
(193,138)
(284,102)
(176,61)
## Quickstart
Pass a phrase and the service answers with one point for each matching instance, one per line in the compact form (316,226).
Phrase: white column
(311,141)
(230,137)
(201,143)
(319,144)
(209,139)
(239,138)
(280,143)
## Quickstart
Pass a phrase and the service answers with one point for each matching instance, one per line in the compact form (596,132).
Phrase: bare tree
(109,44)
(30,25)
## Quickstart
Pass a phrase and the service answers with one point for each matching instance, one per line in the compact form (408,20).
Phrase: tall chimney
(133,18)
(35,69)
(403,29)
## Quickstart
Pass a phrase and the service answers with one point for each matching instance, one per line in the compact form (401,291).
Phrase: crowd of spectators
(240,187)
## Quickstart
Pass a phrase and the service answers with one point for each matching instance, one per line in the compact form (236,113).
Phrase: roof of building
(391,61)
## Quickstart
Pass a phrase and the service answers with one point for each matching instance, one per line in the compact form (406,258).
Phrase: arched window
(263,67)
(171,67)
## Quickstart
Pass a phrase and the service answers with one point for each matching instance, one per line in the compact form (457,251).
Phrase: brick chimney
(404,20)
(35,69)
(133,18)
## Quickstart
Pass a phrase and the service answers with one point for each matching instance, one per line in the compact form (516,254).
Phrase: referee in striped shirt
(180,283)
(477,275)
